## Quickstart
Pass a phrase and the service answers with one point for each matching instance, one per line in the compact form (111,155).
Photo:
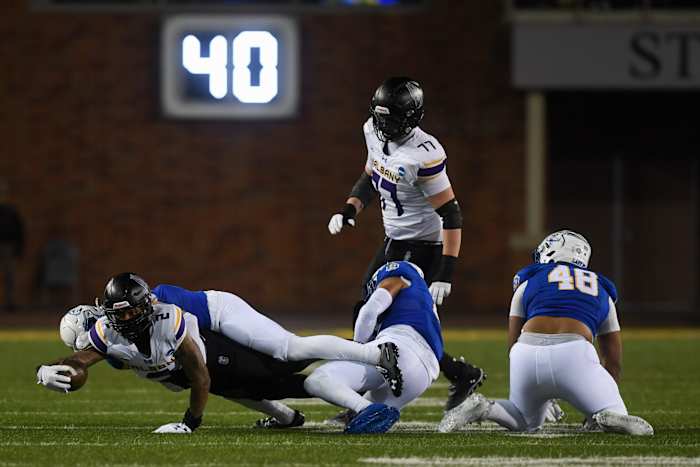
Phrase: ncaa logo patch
(223,360)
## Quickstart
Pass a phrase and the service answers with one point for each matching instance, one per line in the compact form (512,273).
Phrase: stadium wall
(243,206)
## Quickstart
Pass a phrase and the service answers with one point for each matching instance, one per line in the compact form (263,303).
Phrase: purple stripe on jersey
(181,329)
(432,170)
(97,341)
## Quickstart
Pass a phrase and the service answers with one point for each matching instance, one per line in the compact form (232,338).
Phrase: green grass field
(110,419)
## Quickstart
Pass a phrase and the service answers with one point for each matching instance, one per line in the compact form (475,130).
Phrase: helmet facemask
(389,127)
(133,327)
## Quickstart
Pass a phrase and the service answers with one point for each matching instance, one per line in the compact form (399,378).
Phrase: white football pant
(237,320)
(569,371)
(341,383)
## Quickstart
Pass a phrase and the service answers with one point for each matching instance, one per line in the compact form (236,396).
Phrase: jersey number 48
(582,280)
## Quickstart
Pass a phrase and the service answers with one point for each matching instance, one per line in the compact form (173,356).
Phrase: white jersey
(170,327)
(414,170)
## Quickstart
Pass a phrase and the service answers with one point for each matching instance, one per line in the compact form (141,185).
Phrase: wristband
(191,421)
(447,267)
(349,212)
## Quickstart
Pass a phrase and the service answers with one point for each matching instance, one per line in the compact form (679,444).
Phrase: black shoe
(388,366)
(271,423)
(464,386)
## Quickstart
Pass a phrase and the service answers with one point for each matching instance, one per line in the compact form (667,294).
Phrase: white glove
(553,413)
(49,376)
(336,223)
(440,291)
(178,428)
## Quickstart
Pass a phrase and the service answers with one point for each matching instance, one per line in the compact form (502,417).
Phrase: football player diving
(162,343)
(399,309)
(559,307)
(422,219)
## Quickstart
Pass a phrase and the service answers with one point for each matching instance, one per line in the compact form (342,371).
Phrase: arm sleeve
(611,323)
(516,303)
(366,322)
(432,177)
(179,328)
(97,338)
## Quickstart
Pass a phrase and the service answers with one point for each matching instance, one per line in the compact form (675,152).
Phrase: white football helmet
(75,325)
(566,246)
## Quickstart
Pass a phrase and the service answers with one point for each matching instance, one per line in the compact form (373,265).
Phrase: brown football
(80,378)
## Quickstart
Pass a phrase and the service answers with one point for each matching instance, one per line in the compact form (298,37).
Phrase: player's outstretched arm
(189,356)
(610,346)
(51,375)
(448,209)
(360,196)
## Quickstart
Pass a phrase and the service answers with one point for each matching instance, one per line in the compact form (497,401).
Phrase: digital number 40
(216,65)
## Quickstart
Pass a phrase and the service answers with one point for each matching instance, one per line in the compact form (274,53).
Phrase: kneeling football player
(558,308)
(399,309)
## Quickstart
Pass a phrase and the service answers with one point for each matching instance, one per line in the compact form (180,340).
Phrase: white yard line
(531,461)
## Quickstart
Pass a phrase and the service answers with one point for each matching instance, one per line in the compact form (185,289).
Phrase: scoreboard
(229,66)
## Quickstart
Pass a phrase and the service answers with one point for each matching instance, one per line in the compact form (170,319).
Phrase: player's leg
(416,380)
(341,382)
(242,323)
(583,382)
(525,409)
(280,415)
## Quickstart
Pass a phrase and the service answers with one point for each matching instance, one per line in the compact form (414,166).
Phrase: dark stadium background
(88,157)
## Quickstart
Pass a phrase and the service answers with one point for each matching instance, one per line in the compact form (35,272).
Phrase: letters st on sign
(611,56)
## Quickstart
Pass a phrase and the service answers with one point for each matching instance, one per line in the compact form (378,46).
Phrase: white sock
(275,409)
(506,414)
(331,348)
(322,385)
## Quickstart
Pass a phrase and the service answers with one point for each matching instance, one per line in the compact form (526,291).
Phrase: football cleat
(375,418)
(473,409)
(470,379)
(272,423)
(619,423)
(589,424)
(178,428)
(389,367)
(343,418)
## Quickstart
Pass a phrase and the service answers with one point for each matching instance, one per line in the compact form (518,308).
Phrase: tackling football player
(558,308)
(421,216)
(399,309)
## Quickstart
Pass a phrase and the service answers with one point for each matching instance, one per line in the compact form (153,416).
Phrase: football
(80,378)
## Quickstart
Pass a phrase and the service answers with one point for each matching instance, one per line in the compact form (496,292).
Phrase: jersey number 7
(384,187)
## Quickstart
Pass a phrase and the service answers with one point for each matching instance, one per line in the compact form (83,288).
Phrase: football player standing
(422,219)
(559,306)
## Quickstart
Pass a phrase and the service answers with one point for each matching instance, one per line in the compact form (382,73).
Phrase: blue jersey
(193,302)
(413,306)
(565,290)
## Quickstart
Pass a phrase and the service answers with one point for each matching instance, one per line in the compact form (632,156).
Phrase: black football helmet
(127,291)
(396,108)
